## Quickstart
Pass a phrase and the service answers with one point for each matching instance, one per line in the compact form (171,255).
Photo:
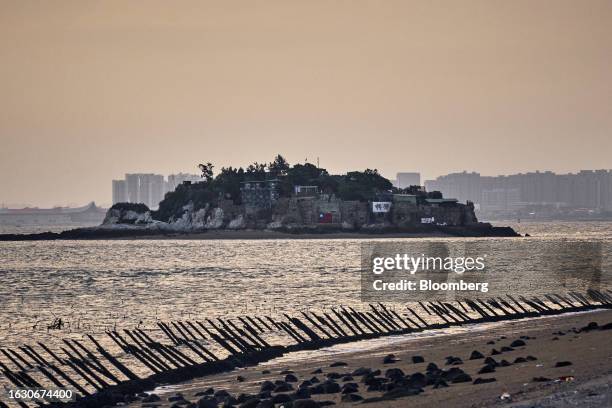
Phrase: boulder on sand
(305,403)
(484,380)
(518,343)
(418,359)
(487,369)
(389,359)
(476,355)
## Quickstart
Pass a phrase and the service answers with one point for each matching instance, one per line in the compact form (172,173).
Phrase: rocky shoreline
(152,232)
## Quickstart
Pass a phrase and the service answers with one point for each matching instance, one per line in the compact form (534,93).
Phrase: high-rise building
(587,189)
(119,191)
(405,180)
(132,186)
(462,186)
(148,188)
(151,189)
(175,180)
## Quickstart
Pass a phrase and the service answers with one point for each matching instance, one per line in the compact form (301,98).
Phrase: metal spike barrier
(190,349)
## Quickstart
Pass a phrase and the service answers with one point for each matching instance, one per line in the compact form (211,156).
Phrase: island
(277,200)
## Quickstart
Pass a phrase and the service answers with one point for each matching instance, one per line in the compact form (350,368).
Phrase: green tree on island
(207,171)
(354,185)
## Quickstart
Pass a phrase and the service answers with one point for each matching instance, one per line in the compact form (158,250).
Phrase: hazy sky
(90,90)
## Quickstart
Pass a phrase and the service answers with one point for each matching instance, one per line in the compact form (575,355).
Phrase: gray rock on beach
(518,343)
(267,403)
(453,373)
(394,374)
(440,384)
(463,377)
(519,360)
(252,403)
(280,398)
(290,378)
(487,369)
(476,355)
(176,397)
(450,360)
(151,398)
(266,386)
(351,398)
(400,392)
(302,393)
(305,403)
(334,376)
(221,394)
(491,361)
(361,371)
(417,359)
(484,380)
(331,387)
(283,387)
(349,388)
(390,359)
(417,380)
(206,402)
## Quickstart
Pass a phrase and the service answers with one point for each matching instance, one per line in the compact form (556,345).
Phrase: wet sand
(586,382)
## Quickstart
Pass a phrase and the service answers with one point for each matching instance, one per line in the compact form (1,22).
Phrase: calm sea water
(96,285)
(36,228)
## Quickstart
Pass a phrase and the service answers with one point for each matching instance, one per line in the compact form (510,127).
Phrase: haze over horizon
(92,90)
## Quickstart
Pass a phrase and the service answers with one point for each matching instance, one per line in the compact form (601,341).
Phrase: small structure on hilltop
(306,191)
(259,194)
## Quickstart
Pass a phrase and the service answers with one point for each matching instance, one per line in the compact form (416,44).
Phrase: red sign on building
(325,218)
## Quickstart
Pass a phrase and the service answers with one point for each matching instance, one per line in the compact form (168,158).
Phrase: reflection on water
(97,285)
(525,266)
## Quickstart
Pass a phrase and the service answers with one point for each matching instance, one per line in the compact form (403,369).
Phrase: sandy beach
(560,365)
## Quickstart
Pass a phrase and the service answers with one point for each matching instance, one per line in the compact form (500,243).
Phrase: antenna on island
(318,163)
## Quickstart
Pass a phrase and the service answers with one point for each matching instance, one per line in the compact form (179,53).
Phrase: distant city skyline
(494,192)
(148,188)
(93,90)
(586,190)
